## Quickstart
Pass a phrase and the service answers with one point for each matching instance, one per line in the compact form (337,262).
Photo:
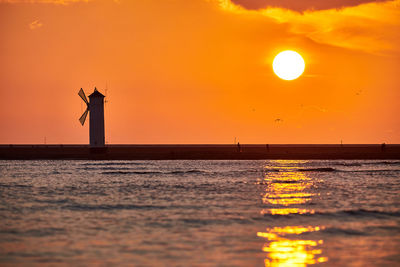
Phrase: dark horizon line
(202,152)
(205,144)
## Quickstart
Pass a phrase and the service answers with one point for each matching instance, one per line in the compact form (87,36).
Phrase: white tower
(96,118)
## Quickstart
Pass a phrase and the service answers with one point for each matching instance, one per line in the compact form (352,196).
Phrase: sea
(200,213)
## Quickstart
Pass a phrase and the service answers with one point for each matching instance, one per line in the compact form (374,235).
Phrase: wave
(38,232)
(276,181)
(153,172)
(344,213)
(112,207)
(317,170)
(130,172)
(382,163)
(53,201)
(329,169)
(372,170)
(349,164)
(364,212)
(11,185)
(89,207)
(341,231)
(106,168)
(184,172)
(325,169)
(192,171)
(272,170)
(363,231)
(113,163)
(227,221)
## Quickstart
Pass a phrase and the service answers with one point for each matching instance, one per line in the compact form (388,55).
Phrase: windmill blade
(83,117)
(83,96)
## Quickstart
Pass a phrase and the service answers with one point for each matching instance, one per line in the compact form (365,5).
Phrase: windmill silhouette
(96,118)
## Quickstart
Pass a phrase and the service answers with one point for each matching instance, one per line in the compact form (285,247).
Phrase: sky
(200,71)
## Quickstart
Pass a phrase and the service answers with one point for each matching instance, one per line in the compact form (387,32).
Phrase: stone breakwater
(204,152)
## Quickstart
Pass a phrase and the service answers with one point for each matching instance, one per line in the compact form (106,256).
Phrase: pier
(200,152)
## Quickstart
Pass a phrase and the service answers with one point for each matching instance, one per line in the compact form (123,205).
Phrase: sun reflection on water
(283,251)
(287,211)
(287,187)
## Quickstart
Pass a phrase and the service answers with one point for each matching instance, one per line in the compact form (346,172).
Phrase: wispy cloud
(35,24)
(302,5)
(59,2)
(313,107)
(371,27)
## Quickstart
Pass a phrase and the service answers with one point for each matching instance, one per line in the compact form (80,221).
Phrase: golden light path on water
(286,188)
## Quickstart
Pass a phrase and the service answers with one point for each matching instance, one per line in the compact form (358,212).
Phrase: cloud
(59,2)
(372,27)
(364,25)
(313,107)
(302,5)
(35,24)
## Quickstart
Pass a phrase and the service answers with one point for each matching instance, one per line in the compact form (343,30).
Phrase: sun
(288,65)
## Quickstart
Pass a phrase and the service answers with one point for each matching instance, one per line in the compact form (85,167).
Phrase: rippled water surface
(200,213)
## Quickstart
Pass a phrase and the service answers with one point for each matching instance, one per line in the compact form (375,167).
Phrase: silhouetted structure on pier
(95,106)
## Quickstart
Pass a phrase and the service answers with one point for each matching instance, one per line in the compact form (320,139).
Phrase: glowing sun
(288,65)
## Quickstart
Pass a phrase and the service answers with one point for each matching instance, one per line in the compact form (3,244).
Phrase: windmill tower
(96,118)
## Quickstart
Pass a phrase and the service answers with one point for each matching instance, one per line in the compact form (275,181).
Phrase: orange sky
(200,71)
